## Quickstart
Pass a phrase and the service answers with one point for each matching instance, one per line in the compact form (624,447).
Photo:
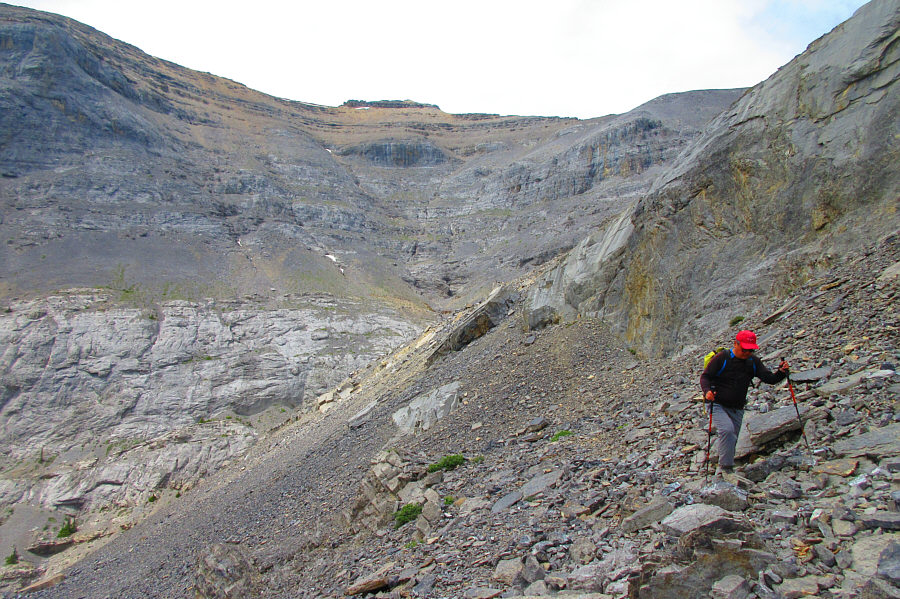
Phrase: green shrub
(13,558)
(560,434)
(477,459)
(448,462)
(407,513)
(151,499)
(68,529)
(735,320)
(449,499)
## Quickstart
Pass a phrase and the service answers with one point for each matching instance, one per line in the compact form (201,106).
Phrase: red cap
(747,340)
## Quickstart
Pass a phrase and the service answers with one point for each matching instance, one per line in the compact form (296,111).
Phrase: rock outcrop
(799,170)
(105,404)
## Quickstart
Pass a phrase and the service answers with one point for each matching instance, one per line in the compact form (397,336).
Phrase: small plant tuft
(560,434)
(13,558)
(412,544)
(448,462)
(449,499)
(151,499)
(407,513)
(477,459)
(68,529)
(735,320)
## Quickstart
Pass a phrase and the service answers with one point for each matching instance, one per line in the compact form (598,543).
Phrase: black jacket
(729,377)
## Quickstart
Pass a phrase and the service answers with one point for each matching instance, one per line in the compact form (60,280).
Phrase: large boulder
(690,517)
(763,428)
(426,409)
(479,321)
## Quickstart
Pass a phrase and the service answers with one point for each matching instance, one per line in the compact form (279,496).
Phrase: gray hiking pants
(728,426)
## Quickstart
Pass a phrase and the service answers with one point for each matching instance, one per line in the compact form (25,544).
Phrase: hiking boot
(729,475)
(726,473)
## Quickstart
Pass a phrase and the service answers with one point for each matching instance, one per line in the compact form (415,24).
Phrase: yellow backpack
(710,356)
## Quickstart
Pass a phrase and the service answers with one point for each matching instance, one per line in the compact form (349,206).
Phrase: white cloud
(568,58)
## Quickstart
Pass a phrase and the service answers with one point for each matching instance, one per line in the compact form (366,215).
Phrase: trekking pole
(708,441)
(797,409)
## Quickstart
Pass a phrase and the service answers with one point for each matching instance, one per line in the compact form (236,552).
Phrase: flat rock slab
(472,504)
(816,374)
(843,383)
(691,517)
(538,424)
(762,428)
(795,588)
(876,443)
(44,584)
(361,417)
(506,502)
(426,409)
(639,433)
(745,446)
(369,585)
(867,551)
(726,496)
(844,467)
(731,587)
(654,512)
(883,520)
(592,577)
(889,563)
(374,582)
(507,570)
(50,547)
(890,273)
(483,593)
(540,483)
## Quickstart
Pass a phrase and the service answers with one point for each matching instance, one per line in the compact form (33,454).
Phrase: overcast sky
(581,58)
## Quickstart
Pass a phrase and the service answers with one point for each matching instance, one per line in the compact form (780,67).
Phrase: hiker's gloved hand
(710,396)
(784,367)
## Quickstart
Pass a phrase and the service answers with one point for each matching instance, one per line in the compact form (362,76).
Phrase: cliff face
(800,169)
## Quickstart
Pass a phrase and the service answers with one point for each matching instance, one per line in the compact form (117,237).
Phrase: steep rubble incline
(583,472)
(799,170)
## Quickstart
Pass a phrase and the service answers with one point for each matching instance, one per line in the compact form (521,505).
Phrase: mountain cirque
(223,307)
(122,169)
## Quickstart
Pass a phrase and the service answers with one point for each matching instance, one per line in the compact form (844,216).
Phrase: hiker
(724,382)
